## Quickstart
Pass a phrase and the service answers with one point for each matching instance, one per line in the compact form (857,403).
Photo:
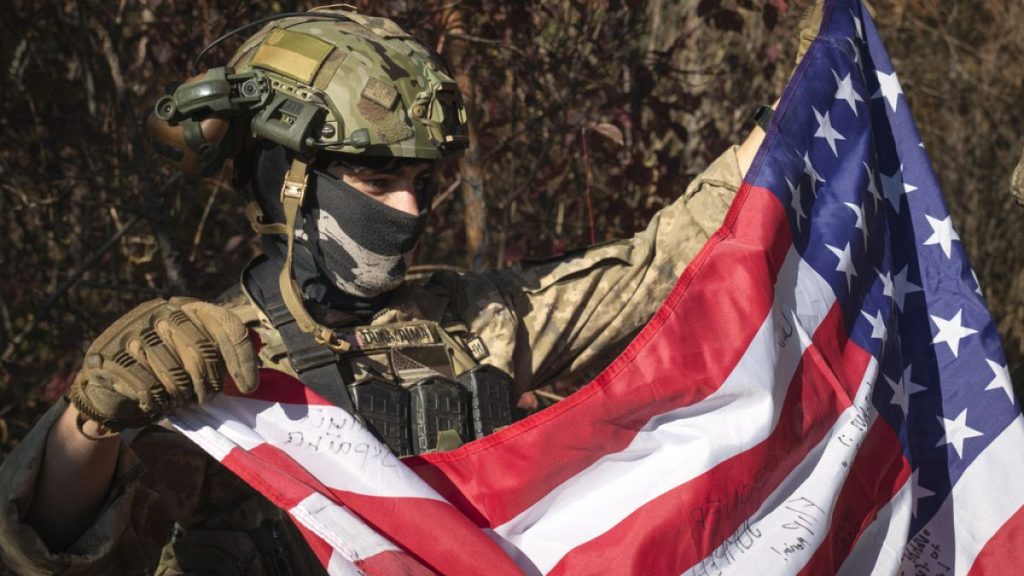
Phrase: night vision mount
(196,127)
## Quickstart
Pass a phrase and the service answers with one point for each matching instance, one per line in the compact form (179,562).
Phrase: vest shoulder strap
(313,363)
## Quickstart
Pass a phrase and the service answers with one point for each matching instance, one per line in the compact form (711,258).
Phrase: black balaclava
(360,245)
(350,250)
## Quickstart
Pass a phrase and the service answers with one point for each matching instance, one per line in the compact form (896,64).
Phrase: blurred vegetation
(589,115)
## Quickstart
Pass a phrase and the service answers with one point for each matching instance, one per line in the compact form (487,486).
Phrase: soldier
(338,118)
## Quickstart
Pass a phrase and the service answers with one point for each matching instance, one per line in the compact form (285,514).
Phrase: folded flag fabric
(822,392)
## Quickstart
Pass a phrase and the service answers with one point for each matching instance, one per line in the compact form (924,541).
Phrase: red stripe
(1004,552)
(682,527)
(318,545)
(392,563)
(274,474)
(876,475)
(433,531)
(281,481)
(499,476)
(387,563)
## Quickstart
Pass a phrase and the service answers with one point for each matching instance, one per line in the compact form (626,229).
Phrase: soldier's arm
(156,481)
(70,500)
(563,319)
(576,314)
(161,354)
(74,479)
(745,152)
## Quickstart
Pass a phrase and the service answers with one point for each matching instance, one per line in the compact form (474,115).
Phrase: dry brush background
(589,115)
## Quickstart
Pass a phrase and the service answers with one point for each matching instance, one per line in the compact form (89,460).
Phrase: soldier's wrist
(90,429)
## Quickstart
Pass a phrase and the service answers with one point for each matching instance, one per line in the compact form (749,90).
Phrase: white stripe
(339,527)
(879,549)
(218,428)
(786,531)
(676,447)
(986,496)
(982,501)
(325,440)
(338,565)
(198,426)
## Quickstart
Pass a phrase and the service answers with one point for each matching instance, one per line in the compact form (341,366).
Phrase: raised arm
(159,356)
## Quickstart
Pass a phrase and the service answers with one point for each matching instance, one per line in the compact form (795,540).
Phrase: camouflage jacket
(173,510)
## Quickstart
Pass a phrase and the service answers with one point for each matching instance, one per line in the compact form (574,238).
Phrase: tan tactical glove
(1017,182)
(162,355)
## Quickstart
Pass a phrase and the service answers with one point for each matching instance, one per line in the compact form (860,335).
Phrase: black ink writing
(726,553)
(805,514)
(340,435)
(736,498)
(926,556)
(783,329)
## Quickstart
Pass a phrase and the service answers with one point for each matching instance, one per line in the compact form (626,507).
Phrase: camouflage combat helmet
(383,93)
(330,79)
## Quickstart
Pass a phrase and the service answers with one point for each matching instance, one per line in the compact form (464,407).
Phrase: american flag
(822,392)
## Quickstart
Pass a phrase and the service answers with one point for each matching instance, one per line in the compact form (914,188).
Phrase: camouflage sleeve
(152,488)
(563,320)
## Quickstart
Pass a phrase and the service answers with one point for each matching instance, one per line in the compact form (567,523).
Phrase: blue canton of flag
(867,214)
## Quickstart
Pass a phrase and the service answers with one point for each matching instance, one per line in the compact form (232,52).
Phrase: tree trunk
(459,57)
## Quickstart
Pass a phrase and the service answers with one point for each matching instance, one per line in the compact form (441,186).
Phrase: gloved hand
(1017,182)
(162,355)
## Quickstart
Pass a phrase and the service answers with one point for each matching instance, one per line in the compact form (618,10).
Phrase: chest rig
(418,385)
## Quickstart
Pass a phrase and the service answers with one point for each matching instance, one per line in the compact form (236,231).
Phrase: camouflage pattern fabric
(163,478)
(810,24)
(370,75)
(562,319)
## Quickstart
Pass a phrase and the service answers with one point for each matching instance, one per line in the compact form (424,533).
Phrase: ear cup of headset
(198,139)
(196,147)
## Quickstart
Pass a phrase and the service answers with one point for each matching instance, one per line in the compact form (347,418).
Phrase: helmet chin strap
(293,189)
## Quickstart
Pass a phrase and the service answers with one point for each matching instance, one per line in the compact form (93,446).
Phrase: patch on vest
(388,336)
(477,348)
(418,363)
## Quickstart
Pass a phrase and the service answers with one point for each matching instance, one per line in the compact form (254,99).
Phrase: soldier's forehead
(377,164)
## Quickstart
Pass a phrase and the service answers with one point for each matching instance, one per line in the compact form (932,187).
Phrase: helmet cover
(383,93)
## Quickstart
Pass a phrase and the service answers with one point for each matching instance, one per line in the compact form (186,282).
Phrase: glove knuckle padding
(161,355)
(114,398)
(232,338)
(196,352)
(114,387)
(151,349)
